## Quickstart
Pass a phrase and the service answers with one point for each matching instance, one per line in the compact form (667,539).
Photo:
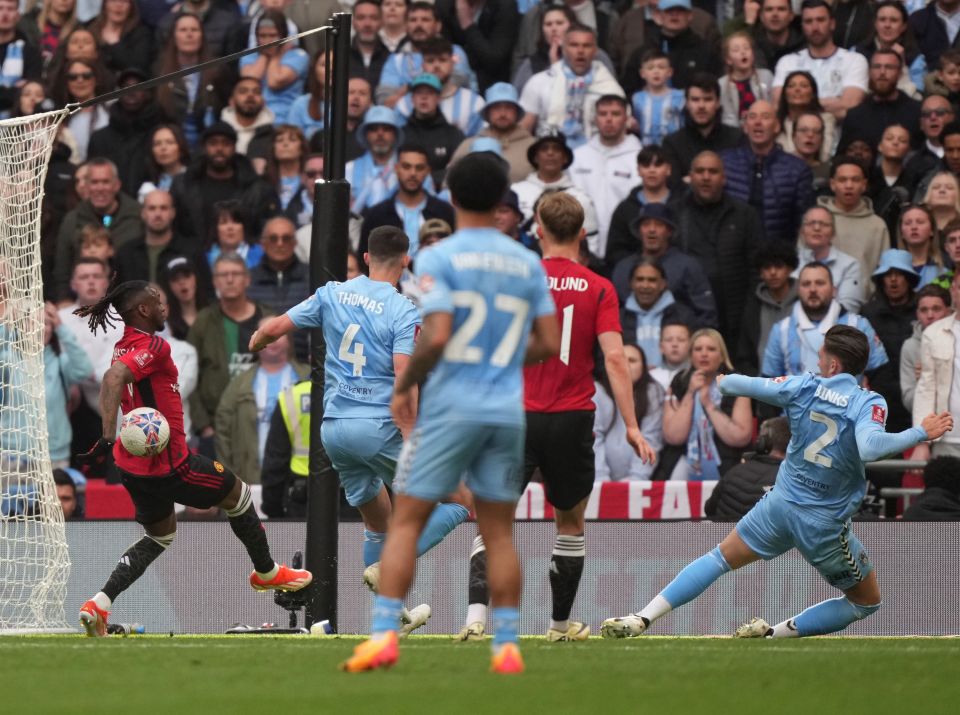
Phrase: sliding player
(836,427)
(369,330)
(143,375)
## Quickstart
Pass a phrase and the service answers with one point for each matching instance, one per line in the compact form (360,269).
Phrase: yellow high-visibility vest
(295,408)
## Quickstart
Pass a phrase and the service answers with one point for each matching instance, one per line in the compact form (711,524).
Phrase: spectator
(702,129)
(951,251)
(550,156)
(107,207)
(65,366)
(689,53)
(935,29)
(217,175)
(650,304)
(794,341)
(368,54)
(891,311)
(564,96)
(744,83)
(745,484)
(654,169)
(184,356)
(359,100)
(841,75)
(125,139)
(918,236)
(768,304)
(859,232)
(166,159)
(67,495)
(799,97)
(47,23)
(614,460)
(284,473)
(79,44)
(487,30)
(143,258)
(300,208)
(124,42)
(232,233)
(243,416)
(940,500)
(508,220)
(251,118)
(281,70)
(502,114)
(674,352)
(723,234)
(946,80)
(372,176)
(603,167)
(816,246)
(779,186)
(891,183)
(393,28)
(774,30)
(243,35)
(218,18)
(933,304)
(653,230)
(308,111)
(280,280)
(892,32)
(30,97)
(187,295)
(429,128)
(288,154)
(19,57)
(942,195)
(221,333)
(658,107)
(936,113)
(411,206)
(705,433)
(77,83)
(854,22)
(807,144)
(885,105)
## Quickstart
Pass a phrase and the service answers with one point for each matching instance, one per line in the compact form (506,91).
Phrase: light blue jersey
(495,288)
(835,427)
(658,114)
(365,323)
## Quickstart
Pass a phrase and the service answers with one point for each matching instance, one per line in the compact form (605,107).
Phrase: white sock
(103,601)
(787,629)
(477,612)
(561,626)
(657,608)
(269,575)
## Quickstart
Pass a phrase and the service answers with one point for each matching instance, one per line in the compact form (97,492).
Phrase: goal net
(34,563)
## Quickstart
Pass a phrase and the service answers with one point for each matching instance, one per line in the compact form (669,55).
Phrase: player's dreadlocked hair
(121,297)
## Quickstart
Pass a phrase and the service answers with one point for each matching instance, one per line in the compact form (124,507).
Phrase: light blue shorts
(439,455)
(774,526)
(364,452)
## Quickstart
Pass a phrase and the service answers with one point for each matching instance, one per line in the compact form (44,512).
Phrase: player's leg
(566,568)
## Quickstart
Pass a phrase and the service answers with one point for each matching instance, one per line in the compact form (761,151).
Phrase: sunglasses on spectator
(74,76)
(280,238)
(927,113)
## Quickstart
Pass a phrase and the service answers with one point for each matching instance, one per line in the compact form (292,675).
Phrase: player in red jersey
(560,410)
(143,375)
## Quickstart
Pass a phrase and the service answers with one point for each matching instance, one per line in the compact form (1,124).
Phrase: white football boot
(626,627)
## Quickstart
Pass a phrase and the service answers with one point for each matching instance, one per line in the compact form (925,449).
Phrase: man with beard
(359,100)
(372,176)
(886,104)
(250,118)
(368,54)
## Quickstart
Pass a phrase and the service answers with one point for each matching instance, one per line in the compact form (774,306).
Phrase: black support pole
(328,261)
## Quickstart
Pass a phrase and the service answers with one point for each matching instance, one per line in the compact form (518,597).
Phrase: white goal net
(34,563)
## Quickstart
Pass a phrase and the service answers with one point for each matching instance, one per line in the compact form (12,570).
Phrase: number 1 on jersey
(566,333)
(356,356)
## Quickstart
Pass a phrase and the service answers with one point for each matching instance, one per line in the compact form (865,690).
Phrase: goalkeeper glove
(98,454)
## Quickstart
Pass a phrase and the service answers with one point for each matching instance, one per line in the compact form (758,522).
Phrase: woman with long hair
(943,198)
(614,458)
(168,157)
(799,96)
(48,22)
(186,295)
(891,31)
(124,41)
(191,101)
(917,234)
(281,70)
(288,152)
(77,83)
(705,432)
(307,111)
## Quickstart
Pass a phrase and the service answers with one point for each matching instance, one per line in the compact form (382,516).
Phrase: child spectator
(658,108)
(674,352)
(743,84)
(946,80)
(95,242)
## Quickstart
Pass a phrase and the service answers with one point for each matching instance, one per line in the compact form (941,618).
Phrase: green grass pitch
(293,674)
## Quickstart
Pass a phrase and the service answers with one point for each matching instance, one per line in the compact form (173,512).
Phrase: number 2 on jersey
(812,452)
(356,356)
(459,348)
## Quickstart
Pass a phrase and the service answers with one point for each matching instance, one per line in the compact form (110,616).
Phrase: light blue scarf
(701,448)
(576,97)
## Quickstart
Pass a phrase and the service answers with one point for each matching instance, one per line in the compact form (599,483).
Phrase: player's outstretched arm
(874,443)
(270,332)
(544,340)
(615,361)
(774,391)
(400,363)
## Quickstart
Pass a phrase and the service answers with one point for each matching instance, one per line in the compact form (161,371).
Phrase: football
(144,432)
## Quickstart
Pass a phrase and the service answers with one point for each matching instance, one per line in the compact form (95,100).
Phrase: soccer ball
(144,432)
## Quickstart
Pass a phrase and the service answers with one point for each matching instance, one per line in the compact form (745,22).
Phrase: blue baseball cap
(379,115)
(499,93)
(426,80)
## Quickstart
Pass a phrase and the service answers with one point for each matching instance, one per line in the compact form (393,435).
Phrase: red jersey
(586,307)
(148,357)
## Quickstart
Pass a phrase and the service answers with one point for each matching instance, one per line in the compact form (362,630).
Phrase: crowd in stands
(752,173)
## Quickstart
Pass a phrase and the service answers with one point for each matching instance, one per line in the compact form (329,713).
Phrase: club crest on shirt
(879,414)
(426,283)
(782,378)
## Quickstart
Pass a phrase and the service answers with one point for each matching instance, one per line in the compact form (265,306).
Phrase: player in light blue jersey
(487,310)
(836,426)
(369,330)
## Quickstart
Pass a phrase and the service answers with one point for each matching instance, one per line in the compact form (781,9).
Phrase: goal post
(34,561)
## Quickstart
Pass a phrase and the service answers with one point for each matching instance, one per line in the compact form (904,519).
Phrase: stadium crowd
(751,173)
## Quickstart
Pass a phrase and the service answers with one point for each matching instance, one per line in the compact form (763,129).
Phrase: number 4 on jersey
(356,356)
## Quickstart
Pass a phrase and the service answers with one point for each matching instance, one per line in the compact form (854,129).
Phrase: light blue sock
(386,614)
(506,623)
(830,616)
(443,519)
(695,578)
(372,546)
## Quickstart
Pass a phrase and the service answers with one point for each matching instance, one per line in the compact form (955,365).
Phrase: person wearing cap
(372,176)
(891,312)
(689,53)
(653,229)
(219,173)
(410,207)
(551,157)
(125,139)
(564,96)
(794,341)
(429,128)
(281,70)
(816,244)
(603,168)
(508,219)
(502,113)
(251,118)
